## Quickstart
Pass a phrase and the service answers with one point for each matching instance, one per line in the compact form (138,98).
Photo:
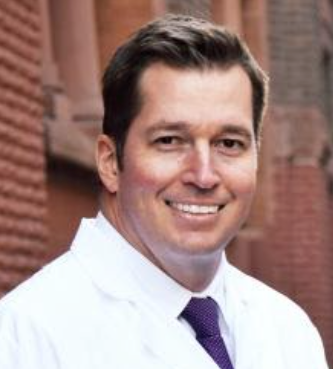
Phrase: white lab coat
(85,311)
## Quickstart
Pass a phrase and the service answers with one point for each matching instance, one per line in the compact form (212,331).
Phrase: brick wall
(68,184)
(297,237)
(116,20)
(298,254)
(198,8)
(294,38)
(22,176)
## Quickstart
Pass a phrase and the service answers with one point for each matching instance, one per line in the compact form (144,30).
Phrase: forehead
(160,68)
(194,95)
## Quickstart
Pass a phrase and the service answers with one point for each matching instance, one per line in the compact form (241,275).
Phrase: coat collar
(122,272)
(107,259)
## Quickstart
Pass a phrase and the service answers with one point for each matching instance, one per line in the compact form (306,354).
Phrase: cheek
(241,180)
(139,187)
(150,173)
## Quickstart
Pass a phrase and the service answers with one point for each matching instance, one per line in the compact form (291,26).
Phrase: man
(146,284)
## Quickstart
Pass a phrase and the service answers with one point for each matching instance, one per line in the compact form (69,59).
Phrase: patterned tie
(202,315)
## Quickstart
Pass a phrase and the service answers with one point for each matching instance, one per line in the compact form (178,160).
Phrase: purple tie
(202,315)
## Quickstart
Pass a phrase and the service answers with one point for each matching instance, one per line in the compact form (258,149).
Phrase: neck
(194,272)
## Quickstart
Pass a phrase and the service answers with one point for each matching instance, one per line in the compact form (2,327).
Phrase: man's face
(189,165)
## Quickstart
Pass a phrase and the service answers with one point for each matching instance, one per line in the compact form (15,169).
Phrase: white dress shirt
(103,305)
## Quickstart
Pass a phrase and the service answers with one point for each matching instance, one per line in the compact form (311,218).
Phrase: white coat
(86,311)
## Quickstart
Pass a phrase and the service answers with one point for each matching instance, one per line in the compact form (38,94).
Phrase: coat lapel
(255,345)
(168,340)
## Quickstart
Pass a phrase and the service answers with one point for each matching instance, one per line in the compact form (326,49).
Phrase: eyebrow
(167,126)
(237,130)
(233,128)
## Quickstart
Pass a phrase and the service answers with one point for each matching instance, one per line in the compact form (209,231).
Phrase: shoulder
(55,286)
(267,303)
(55,301)
(28,316)
(46,293)
(40,283)
(56,315)
(280,319)
(273,310)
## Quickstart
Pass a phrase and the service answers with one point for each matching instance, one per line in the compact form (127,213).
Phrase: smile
(195,209)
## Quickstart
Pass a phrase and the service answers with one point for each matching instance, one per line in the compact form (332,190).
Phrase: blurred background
(52,56)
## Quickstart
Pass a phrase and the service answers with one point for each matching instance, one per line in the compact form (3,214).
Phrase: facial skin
(189,170)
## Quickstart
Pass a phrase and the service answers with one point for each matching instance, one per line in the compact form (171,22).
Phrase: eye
(167,140)
(231,146)
(232,143)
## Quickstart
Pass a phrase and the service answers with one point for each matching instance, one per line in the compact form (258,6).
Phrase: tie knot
(202,315)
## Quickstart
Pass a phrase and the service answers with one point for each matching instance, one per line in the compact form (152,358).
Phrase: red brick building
(52,53)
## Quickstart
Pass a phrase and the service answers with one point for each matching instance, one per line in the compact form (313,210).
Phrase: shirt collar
(155,287)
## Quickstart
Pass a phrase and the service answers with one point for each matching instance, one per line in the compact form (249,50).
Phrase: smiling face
(189,166)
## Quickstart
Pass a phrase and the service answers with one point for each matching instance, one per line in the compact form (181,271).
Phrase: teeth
(196,209)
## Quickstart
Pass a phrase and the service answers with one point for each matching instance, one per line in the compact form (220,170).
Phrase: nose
(201,170)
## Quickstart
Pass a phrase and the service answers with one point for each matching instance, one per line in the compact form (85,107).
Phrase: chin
(200,248)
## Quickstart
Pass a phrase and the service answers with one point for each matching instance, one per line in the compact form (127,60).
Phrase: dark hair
(177,41)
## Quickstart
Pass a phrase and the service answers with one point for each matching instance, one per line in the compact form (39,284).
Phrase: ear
(106,161)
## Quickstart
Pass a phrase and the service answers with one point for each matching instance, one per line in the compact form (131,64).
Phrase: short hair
(178,41)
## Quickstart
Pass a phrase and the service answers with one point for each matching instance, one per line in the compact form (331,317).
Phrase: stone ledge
(67,141)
